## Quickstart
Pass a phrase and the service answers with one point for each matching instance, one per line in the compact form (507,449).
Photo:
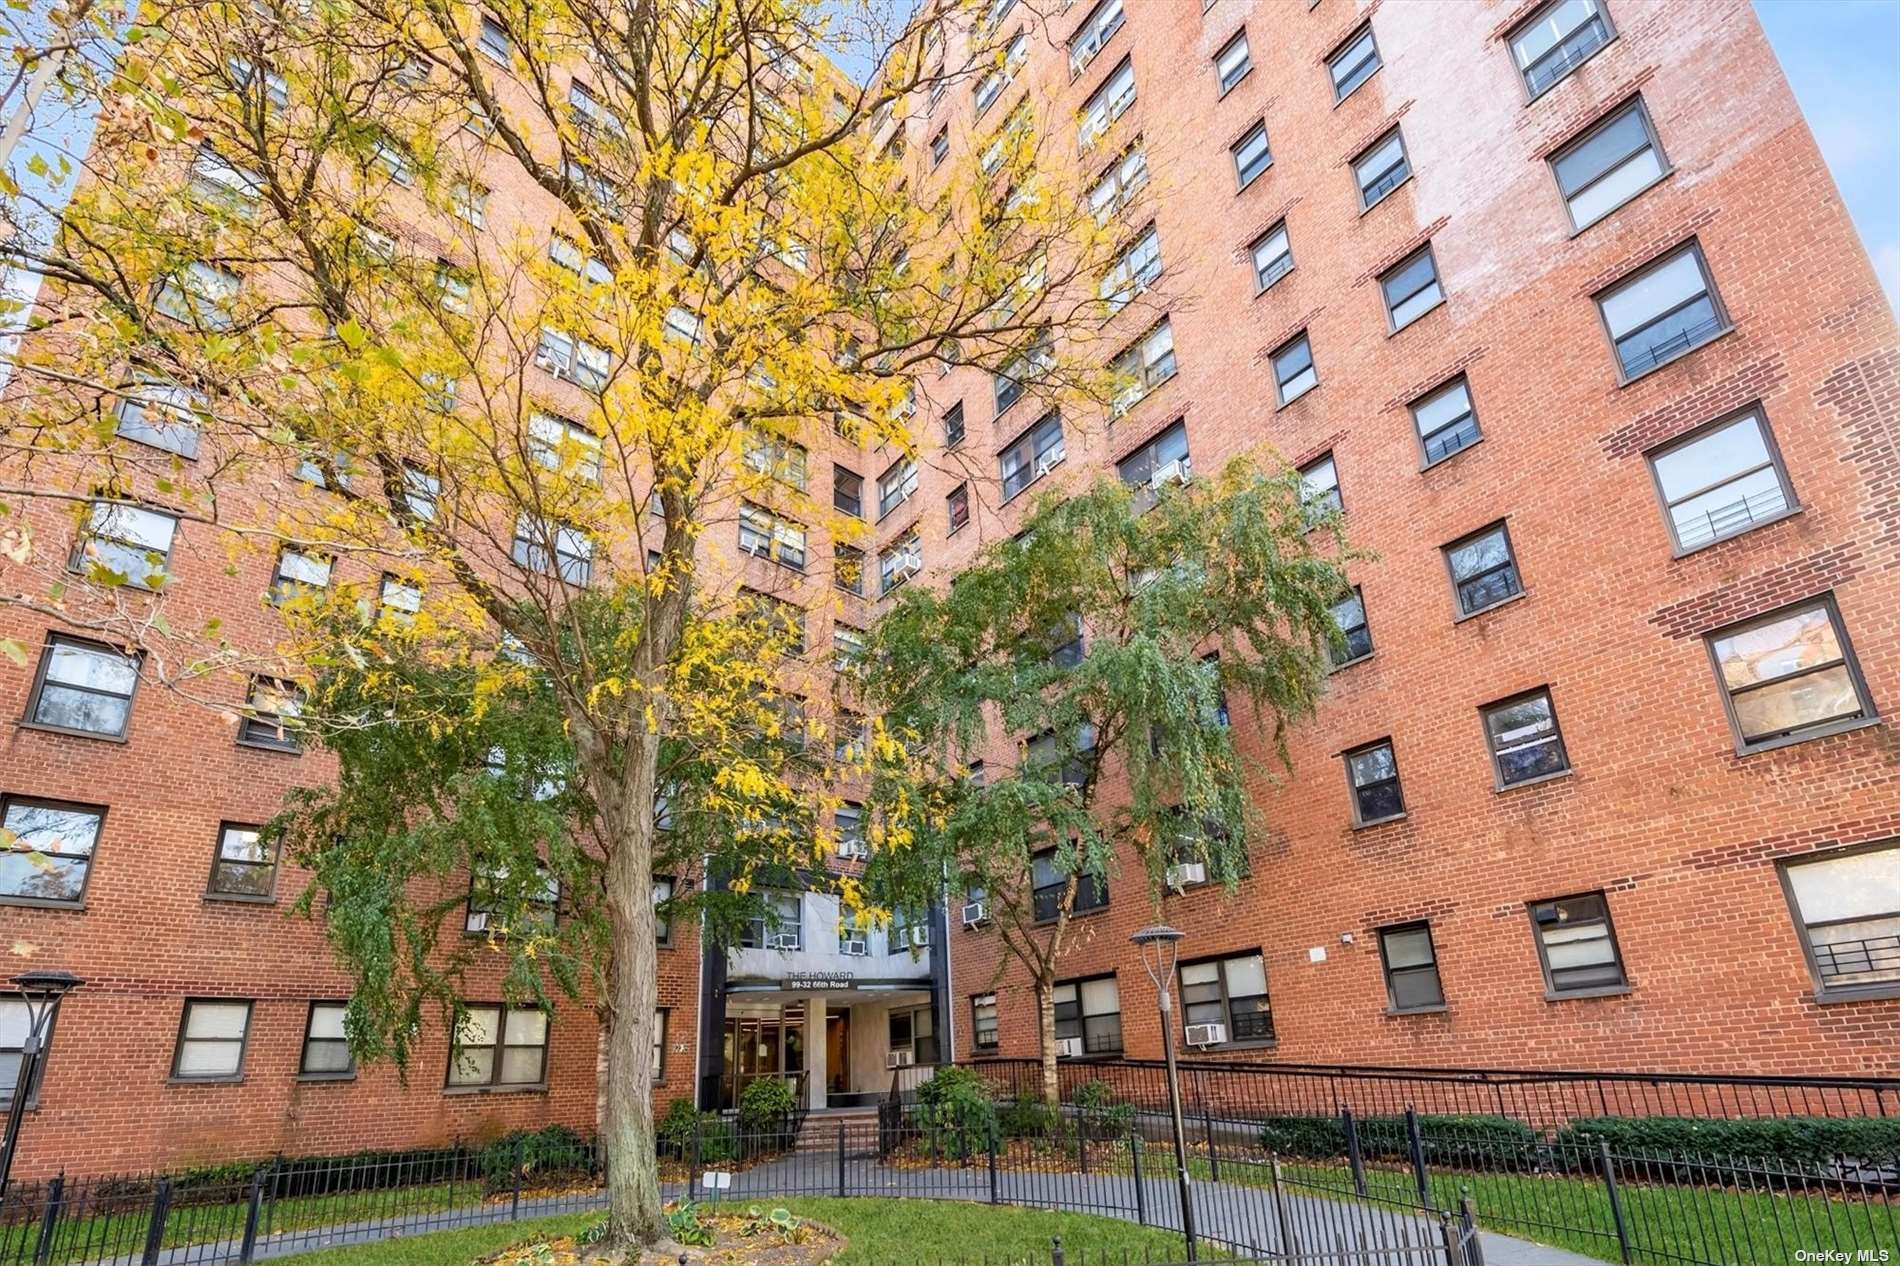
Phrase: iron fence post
(1449,1237)
(514,1203)
(1141,1195)
(1055,1251)
(1616,1198)
(1355,1158)
(253,1207)
(49,1220)
(994,1196)
(1082,1138)
(841,1158)
(1207,1129)
(1468,1222)
(1416,1143)
(155,1230)
(1281,1217)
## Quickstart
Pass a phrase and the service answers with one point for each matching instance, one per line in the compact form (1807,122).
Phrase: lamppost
(41,991)
(1160,945)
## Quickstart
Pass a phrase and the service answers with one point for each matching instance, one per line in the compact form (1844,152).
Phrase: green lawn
(879,1231)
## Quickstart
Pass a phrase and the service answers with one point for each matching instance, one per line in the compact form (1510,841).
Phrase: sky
(1843,58)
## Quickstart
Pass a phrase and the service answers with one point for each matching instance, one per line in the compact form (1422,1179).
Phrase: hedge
(1448,1139)
(1804,1143)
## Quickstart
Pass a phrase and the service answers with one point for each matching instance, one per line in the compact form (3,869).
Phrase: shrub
(766,1105)
(1447,1139)
(1804,1143)
(551,1151)
(1027,1117)
(683,1122)
(955,1112)
(1099,1114)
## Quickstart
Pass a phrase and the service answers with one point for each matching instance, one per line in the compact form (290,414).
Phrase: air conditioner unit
(900,1059)
(1177,471)
(975,912)
(1187,873)
(1206,1034)
(1068,1047)
(1048,464)
(782,941)
(904,570)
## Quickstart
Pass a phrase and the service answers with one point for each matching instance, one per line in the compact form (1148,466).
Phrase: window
(1788,676)
(764,534)
(1665,311)
(1143,367)
(273,716)
(953,426)
(895,485)
(470,203)
(774,619)
(14,1023)
(46,850)
(420,492)
(984,1023)
(124,544)
(1021,370)
(1411,968)
(940,147)
(1161,459)
(326,1048)
(847,492)
(1032,455)
(957,505)
(662,885)
(1483,570)
(1102,22)
(1048,882)
(1066,643)
(243,865)
(162,415)
(1272,256)
(1133,271)
(1721,480)
(569,255)
(393,157)
(899,563)
(908,933)
(494,40)
(1353,63)
(299,573)
(1108,103)
(541,901)
(317,470)
(589,110)
(912,1031)
(1557,39)
(1251,154)
(854,939)
(572,359)
(398,601)
(1608,165)
(1232,63)
(1381,169)
(847,568)
(1373,774)
(1577,946)
(847,647)
(848,817)
(498,1046)
(1089,1014)
(1525,744)
(851,738)
(558,443)
(776,926)
(1446,421)
(1411,289)
(553,549)
(991,85)
(200,295)
(1293,372)
(1846,905)
(84,688)
(1231,992)
(1319,489)
(1355,637)
(211,1040)
(1116,186)
(244,77)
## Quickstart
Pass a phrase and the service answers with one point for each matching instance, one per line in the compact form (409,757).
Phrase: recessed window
(957,505)
(1048,881)
(498,1046)
(1133,271)
(1446,421)
(162,415)
(561,444)
(1382,168)
(896,485)
(124,544)
(421,491)
(777,925)
(1372,774)
(766,534)
(14,1023)
(1483,570)
(398,601)
(243,866)
(1847,908)
(299,573)
(1143,367)
(984,1022)
(848,819)
(326,1047)
(211,1040)
(847,569)
(1411,968)
(1088,1017)
(200,295)
(48,850)
(1102,22)
(470,203)
(991,85)
(847,492)
(84,688)
(1355,636)
(1032,455)
(494,40)
(1251,154)
(1411,289)
(1522,734)
(900,562)
(553,549)
(571,256)
(1557,39)
(1353,63)
(1667,310)
(847,648)
(1118,185)
(662,884)
(1789,676)
(1231,993)
(1272,256)
(1608,165)
(1293,371)
(1162,460)
(273,714)
(1319,489)
(779,622)
(953,425)
(1721,480)
(1232,63)
(1577,946)
(489,897)
(1021,370)
(940,147)
(1108,103)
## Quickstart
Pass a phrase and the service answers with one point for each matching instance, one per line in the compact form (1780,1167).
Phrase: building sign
(818,982)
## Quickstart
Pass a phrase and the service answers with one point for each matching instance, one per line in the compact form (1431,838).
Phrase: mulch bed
(812,1246)
(1037,1155)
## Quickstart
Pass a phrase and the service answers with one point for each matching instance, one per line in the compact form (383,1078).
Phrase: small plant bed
(1036,1155)
(755,1235)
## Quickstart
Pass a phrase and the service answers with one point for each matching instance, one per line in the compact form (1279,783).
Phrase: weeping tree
(495,327)
(1074,686)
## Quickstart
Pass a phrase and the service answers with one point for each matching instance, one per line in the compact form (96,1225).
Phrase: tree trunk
(1046,1018)
(634,1212)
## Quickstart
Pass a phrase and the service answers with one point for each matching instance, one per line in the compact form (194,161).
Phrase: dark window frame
(259,732)
(36,694)
(45,1056)
(1392,325)
(1868,714)
(1227,998)
(995,1026)
(1791,503)
(219,862)
(957,496)
(98,813)
(1087,886)
(1242,180)
(1551,991)
(1225,86)
(1346,46)
(1425,458)
(1034,456)
(77,563)
(1262,283)
(856,508)
(243,1043)
(1365,622)
(1353,788)
(1405,160)
(1279,384)
(1822,991)
(1081,1018)
(494,1083)
(1531,91)
(304,1071)
(1499,783)
(1609,118)
(1517,572)
(1723,325)
(1333,500)
(1392,1006)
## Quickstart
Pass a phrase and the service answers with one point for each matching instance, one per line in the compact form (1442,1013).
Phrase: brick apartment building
(1560,303)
